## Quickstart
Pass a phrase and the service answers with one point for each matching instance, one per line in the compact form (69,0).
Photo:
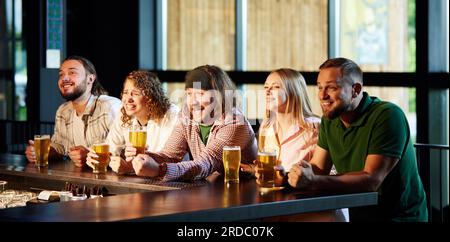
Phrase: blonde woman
(290,127)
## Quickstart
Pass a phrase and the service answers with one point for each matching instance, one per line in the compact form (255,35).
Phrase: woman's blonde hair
(293,83)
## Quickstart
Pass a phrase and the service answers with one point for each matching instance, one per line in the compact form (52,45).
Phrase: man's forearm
(349,182)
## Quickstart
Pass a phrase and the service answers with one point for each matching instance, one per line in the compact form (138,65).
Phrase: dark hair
(97,88)
(210,77)
(156,101)
(350,71)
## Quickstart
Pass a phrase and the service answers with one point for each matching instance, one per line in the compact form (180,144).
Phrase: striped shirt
(98,116)
(298,143)
(232,130)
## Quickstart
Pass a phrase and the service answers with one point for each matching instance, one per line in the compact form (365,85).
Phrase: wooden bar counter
(153,200)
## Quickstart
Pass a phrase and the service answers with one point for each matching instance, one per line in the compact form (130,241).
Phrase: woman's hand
(279,175)
(130,152)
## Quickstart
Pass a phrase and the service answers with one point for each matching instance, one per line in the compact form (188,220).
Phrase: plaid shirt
(232,130)
(97,117)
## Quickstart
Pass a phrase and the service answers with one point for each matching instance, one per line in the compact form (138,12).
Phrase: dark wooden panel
(205,200)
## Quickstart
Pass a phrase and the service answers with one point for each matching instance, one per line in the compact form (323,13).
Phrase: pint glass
(231,163)
(138,137)
(41,149)
(102,150)
(266,162)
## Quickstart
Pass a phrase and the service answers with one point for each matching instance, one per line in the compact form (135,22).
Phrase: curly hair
(156,101)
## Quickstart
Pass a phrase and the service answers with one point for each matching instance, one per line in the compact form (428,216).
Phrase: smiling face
(133,100)
(334,93)
(202,105)
(73,80)
(276,97)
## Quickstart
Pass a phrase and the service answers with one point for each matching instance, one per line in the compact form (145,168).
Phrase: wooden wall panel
(287,33)
(201,32)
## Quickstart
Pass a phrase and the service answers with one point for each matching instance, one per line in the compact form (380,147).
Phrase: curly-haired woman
(143,104)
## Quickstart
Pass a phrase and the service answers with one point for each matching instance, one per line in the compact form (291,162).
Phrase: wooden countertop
(206,200)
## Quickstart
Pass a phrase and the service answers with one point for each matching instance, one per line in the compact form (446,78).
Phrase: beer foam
(232,148)
(100,144)
(42,137)
(268,153)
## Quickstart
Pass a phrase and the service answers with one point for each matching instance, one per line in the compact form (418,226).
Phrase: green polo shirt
(381,128)
(204,132)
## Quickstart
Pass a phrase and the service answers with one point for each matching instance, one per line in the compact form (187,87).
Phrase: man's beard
(78,92)
(336,112)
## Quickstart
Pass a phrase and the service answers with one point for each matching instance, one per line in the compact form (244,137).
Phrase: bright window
(200,32)
(286,33)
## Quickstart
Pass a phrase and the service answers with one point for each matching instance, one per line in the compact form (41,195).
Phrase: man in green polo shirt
(369,143)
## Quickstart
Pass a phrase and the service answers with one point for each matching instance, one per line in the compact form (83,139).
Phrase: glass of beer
(41,149)
(102,150)
(138,137)
(266,162)
(231,163)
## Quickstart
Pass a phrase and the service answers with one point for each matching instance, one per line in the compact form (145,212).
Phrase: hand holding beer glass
(231,161)
(268,171)
(266,163)
(101,161)
(42,149)
(138,137)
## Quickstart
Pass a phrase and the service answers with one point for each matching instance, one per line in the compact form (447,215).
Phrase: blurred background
(400,44)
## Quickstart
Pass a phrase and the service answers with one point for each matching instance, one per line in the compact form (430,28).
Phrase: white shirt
(157,133)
